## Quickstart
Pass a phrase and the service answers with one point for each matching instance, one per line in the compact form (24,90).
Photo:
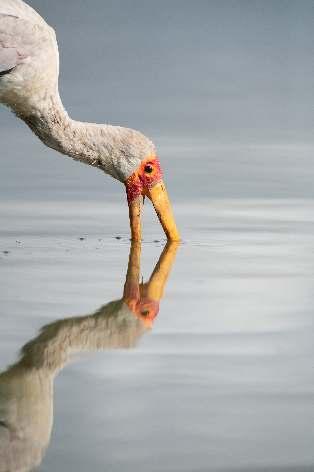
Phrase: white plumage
(29,69)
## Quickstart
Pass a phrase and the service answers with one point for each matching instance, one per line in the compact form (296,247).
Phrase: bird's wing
(8,58)
(12,47)
(20,9)
(24,35)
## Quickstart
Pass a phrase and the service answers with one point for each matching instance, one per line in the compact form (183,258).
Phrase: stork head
(146,181)
(131,157)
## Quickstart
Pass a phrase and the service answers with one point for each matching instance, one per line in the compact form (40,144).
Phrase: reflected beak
(143,299)
(158,279)
(160,200)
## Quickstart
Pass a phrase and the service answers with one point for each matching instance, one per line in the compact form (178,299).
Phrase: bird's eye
(145,313)
(148,169)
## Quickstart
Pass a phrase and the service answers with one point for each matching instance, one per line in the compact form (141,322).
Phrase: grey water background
(224,381)
(223,88)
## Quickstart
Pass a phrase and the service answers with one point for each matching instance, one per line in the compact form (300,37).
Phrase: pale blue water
(225,378)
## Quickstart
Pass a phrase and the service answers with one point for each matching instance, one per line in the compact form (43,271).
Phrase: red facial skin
(147,309)
(142,179)
(141,306)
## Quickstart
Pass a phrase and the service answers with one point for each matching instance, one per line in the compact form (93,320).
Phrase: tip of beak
(159,198)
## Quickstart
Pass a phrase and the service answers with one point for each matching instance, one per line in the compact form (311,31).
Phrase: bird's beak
(143,298)
(135,215)
(159,198)
(158,279)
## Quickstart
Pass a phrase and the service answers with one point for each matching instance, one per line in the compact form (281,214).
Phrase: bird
(29,71)
(26,387)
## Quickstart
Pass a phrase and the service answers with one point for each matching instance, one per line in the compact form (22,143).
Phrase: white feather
(29,67)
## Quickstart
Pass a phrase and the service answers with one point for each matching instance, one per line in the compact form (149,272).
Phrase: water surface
(221,380)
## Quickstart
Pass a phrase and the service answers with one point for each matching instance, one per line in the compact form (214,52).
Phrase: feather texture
(29,69)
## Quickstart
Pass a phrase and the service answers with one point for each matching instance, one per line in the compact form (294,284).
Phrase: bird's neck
(54,127)
(116,150)
(113,326)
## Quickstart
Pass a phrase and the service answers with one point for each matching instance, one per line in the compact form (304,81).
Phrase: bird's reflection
(26,388)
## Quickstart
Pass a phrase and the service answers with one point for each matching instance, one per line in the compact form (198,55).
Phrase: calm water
(221,379)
